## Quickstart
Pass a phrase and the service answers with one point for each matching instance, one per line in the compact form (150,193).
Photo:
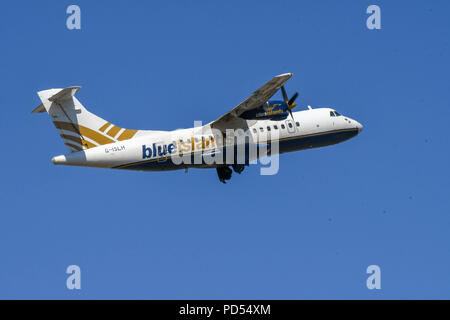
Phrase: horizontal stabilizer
(64,94)
(39,109)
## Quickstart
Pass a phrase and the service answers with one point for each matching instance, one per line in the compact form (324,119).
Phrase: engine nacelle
(272,110)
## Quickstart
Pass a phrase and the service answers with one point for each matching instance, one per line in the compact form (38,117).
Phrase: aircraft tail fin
(79,128)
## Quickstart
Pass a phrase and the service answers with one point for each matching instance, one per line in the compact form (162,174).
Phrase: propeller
(289,102)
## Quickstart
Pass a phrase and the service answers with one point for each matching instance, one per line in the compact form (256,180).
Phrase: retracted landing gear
(224,173)
(238,168)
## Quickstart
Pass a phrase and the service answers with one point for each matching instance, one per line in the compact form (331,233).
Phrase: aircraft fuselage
(310,128)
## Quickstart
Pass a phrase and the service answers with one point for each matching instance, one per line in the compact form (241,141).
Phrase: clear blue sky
(308,232)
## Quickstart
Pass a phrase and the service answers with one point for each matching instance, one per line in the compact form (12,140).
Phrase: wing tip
(289,74)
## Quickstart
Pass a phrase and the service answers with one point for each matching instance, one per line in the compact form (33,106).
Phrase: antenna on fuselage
(309,107)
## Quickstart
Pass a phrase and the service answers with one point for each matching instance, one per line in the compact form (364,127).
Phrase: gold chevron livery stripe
(113,131)
(83,131)
(127,134)
(104,127)
(93,135)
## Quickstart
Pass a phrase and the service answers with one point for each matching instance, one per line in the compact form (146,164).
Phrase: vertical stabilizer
(79,128)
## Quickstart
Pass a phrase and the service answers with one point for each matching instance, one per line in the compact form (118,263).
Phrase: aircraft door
(290,126)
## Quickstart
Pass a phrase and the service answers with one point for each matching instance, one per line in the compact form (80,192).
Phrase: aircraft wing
(257,99)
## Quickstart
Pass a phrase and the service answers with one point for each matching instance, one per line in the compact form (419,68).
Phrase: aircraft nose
(359,126)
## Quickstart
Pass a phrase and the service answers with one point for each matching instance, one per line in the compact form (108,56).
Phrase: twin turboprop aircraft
(268,128)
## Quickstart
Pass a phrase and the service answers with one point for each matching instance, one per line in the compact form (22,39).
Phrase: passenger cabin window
(275,127)
(283,127)
(268,128)
(261,129)
(297,124)
(254,130)
(290,125)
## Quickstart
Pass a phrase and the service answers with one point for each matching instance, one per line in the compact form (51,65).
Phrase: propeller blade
(290,112)
(291,101)
(285,97)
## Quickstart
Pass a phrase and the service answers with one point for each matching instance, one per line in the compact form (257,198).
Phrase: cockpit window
(332,114)
(337,114)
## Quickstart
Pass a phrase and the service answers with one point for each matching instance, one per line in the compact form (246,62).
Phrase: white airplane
(94,142)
